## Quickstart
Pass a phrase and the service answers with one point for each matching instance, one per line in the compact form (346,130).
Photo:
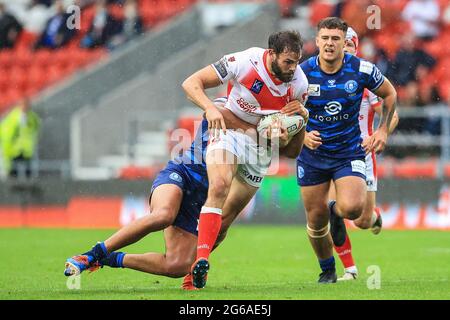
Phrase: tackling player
(264,81)
(371,217)
(336,86)
(176,197)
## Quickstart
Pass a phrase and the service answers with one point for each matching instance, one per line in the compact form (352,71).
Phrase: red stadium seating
(24,72)
(319,10)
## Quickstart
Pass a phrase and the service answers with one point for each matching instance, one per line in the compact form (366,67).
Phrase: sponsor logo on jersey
(314,90)
(351,86)
(333,108)
(245,106)
(221,67)
(175,177)
(332,83)
(358,166)
(300,172)
(257,86)
(231,59)
(251,177)
(377,75)
(335,118)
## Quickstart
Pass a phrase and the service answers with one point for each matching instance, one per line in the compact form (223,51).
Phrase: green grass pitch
(254,262)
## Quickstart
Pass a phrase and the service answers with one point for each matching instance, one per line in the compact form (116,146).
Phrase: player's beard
(283,76)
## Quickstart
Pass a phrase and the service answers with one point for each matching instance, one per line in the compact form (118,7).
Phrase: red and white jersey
(367,112)
(255,91)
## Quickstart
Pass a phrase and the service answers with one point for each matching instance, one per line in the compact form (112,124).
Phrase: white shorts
(371,172)
(253,160)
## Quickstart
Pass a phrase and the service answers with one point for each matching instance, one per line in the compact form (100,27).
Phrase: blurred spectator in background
(36,17)
(10,28)
(103,27)
(369,51)
(355,14)
(18,136)
(423,16)
(56,33)
(410,65)
(131,25)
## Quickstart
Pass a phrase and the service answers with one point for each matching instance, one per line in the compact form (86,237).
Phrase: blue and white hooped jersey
(334,102)
(193,159)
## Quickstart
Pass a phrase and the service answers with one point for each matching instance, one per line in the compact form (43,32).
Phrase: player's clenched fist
(215,120)
(377,142)
(295,107)
(312,140)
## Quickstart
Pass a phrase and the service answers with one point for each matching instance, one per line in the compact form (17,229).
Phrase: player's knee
(318,218)
(362,223)
(163,217)
(351,210)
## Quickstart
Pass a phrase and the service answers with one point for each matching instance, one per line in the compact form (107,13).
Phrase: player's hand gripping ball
(293,124)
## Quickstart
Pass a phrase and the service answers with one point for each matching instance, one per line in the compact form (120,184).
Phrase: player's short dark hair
(332,23)
(286,40)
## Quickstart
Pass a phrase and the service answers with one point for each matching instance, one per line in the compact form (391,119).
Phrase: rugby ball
(293,124)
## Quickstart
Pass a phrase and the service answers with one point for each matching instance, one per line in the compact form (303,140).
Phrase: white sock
(352,269)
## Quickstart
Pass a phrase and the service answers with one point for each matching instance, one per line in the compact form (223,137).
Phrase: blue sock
(98,251)
(113,260)
(327,264)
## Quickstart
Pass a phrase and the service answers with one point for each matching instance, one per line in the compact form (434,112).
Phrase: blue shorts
(194,190)
(313,171)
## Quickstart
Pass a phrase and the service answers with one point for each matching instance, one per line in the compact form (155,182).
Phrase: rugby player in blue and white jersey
(371,216)
(336,86)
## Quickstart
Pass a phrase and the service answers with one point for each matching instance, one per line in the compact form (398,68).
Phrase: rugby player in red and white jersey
(265,81)
(371,217)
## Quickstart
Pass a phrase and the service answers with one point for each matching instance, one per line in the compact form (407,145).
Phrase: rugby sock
(98,251)
(345,253)
(327,264)
(208,230)
(113,260)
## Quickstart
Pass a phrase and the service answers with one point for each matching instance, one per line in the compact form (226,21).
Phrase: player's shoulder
(309,64)
(252,52)
(300,76)
(359,64)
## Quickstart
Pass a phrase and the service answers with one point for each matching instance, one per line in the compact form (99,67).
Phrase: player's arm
(388,93)
(233,122)
(195,86)
(294,147)
(378,109)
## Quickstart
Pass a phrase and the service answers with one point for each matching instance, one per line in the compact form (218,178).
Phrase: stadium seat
(18,78)
(36,78)
(6,59)
(4,81)
(444,90)
(447,170)
(319,9)
(414,169)
(135,172)
(43,58)
(26,40)
(23,58)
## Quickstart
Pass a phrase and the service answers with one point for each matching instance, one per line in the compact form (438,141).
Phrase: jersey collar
(347,56)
